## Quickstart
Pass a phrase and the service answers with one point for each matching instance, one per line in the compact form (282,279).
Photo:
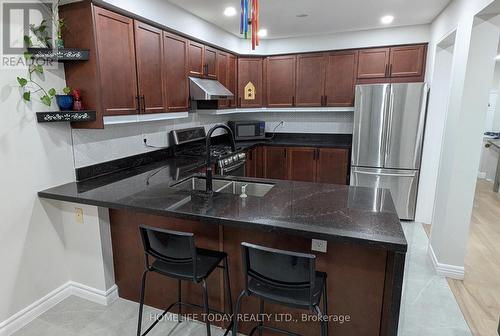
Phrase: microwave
(248,130)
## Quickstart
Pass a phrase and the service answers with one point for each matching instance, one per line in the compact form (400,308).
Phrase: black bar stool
(285,278)
(176,256)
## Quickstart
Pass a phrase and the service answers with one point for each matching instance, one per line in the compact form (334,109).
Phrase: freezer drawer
(402,184)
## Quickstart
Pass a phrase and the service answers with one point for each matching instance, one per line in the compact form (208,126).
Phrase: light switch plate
(79,215)
(319,245)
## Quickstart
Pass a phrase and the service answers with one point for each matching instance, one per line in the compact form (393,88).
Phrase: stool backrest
(279,268)
(169,246)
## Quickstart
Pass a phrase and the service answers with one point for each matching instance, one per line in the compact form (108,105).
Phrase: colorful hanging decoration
(249,21)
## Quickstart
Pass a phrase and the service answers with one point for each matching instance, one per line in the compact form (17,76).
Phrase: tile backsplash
(117,141)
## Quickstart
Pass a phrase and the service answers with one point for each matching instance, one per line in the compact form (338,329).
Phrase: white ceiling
(279,17)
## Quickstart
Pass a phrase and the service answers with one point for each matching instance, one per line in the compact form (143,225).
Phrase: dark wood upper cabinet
(301,162)
(407,61)
(117,69)
(310,80)
(280,81)
(332,165)
(223,74)
(373,63)
(340,79)
(232,78)
(175,81)
(196,63)
(275,163)
(250,82)
(210,57)
(149,59)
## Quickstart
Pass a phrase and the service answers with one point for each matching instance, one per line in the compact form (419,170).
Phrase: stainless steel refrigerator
(389,122)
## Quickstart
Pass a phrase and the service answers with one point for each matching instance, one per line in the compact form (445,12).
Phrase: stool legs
(325,308)
(261,311)
(228,286)
(179,299)
(205,305)
(141,303)
(236,312)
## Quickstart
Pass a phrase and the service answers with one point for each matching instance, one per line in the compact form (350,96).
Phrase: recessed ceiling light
(230,11)
(302,15)
(387,19)
(262,32)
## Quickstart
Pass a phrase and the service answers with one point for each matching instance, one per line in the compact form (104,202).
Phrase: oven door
(235,170)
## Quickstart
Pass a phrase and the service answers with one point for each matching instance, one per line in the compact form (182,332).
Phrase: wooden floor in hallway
(478,295)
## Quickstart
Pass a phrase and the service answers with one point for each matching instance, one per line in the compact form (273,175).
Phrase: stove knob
(230,160)
(241,156)
(235,158)
(226,162)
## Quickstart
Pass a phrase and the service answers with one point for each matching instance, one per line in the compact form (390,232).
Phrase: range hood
(208,89)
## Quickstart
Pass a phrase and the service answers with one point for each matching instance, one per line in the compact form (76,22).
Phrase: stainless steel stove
(191,142)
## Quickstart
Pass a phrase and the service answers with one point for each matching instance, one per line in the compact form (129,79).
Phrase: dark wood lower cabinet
(357,282)
(332,165)
(301,162)
(308,164)
(275,165)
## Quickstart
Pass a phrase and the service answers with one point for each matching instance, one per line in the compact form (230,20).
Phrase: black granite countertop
(302,140)
(332,212)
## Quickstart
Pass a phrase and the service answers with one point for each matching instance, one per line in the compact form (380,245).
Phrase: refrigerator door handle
(389,124)
(384,174)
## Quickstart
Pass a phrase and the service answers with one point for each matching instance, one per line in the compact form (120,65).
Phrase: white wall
(436,118)
(117,141)
(33,157)
(344,40)
(471,77)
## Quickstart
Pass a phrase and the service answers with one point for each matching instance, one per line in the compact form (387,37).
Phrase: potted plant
(65,101)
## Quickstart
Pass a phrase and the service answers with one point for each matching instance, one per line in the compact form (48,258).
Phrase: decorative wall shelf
(277,110)
(60,55)
(60,116)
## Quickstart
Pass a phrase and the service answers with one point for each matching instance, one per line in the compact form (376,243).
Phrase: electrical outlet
(79,215)
(319,245)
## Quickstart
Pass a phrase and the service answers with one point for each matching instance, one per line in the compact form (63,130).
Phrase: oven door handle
(232,168)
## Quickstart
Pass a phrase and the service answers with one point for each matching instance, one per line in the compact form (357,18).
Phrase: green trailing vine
(29,84)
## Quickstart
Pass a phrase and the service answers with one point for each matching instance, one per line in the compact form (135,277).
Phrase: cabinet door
(210,58)
(176,85)
(280,81)
(196,63)
(251,163)
(232,80)
(301,164)
(340,79)
(148,52)
(223,74)
(250,82)
(373,63)
(117,69)
(275,165)
(332,165)
(407,61)
(310,80)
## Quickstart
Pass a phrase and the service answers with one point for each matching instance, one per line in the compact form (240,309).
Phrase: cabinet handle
(326,100)
(239,103)
(387,70)
(322,100)
(138,102)
(317,154)
(143,98)
(390,70)
(284,152)
(293,100)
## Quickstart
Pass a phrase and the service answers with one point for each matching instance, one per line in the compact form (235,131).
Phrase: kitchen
(310,152)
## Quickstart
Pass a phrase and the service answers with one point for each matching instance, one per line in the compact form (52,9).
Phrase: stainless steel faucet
(209,156)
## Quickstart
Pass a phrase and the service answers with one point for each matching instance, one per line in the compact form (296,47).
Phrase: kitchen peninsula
(365,252)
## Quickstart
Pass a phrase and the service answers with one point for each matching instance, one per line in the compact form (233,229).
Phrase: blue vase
(65,102)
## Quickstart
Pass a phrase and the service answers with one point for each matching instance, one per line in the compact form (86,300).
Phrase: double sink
(225,186)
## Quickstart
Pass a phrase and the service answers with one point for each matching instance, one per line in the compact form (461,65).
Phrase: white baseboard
(28,314)
(446,270)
